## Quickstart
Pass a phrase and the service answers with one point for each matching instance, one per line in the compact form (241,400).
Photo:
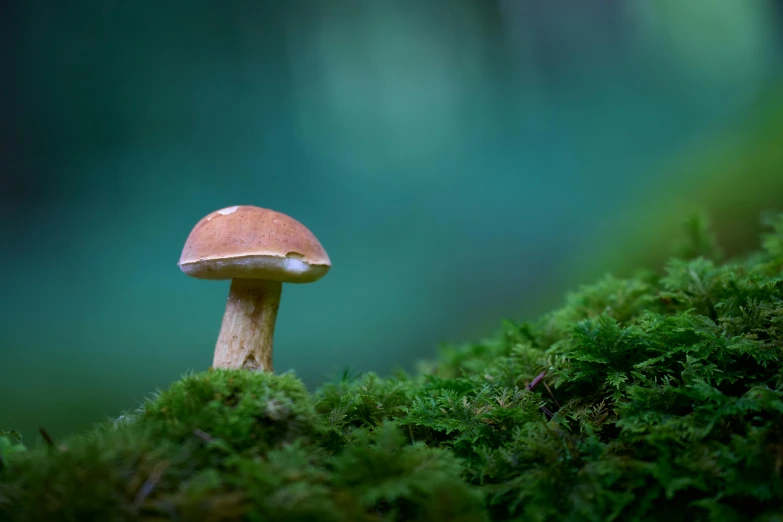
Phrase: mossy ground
(662,399)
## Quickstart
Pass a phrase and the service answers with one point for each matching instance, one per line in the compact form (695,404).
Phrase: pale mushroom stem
(245,339)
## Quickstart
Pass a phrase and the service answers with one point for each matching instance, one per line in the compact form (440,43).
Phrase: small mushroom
(258,250)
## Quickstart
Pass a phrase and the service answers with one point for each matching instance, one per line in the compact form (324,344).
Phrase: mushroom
(258,250)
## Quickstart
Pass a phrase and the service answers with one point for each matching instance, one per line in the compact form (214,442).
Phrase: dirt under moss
(658,397)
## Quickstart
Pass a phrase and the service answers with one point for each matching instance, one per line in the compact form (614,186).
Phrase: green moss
(252,413)
(662,399)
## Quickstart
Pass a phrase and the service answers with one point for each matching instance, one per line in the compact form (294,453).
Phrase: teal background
(456,159)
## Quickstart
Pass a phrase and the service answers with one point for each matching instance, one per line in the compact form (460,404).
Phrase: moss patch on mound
(657,397)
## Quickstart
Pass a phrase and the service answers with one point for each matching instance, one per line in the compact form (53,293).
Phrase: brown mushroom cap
(247,242)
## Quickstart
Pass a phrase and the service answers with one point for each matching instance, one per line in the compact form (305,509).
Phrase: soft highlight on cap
(247,242)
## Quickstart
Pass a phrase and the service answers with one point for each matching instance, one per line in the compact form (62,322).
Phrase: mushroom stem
(245,339)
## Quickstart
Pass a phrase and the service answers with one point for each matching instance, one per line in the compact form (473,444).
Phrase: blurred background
(462,162)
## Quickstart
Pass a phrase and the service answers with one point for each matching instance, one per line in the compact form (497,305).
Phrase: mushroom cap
(247,242)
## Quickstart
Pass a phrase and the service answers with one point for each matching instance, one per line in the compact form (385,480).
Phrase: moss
(656,397)
(252,413)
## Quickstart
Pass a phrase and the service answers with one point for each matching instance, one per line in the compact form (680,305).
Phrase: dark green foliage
(229,445)
(407,481)
(248,412)
(666,392)
(699,240)
(10,443)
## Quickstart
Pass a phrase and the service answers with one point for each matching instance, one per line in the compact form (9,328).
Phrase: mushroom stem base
(245,339)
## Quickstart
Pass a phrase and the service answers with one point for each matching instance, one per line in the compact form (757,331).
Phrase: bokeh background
(462,161)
